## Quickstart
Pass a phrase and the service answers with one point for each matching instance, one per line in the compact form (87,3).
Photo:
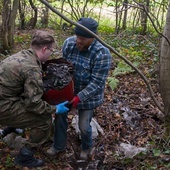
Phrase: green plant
(9,162)
(156,152)
(113,82)
(122,68)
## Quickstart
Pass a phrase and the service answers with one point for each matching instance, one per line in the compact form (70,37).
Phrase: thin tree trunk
(125,14)
(44,18)
(144,16)
(22,13)
(12,22)
(62,9)
(84,8)
(34,19)
(117,18)
(8,23)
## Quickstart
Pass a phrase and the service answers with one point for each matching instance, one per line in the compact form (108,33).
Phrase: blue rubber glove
(61,108)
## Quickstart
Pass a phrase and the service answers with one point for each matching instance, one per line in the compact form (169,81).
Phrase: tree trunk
(125,4)
(117,18)
(12,22)
(144,17)
(22,6)
(8,23)
(33,20)
(44,17)
(62,9)
(165,74)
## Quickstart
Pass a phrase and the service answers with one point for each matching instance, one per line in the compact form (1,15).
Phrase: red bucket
(56,96)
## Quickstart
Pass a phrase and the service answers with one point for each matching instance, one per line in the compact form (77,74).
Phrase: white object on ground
(95,127)
(130,151)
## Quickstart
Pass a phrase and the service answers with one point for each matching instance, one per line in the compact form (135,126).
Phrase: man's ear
(43,49)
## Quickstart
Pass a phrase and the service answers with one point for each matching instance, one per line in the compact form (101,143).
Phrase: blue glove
(61,108)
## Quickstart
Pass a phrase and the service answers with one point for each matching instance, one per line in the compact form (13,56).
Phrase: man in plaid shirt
(91,62)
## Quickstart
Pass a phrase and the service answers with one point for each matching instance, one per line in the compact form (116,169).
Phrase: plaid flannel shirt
(91,69)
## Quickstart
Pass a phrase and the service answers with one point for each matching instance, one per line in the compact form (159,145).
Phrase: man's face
(83,43)
(46,53)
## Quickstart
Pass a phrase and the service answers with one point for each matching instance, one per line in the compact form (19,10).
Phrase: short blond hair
(42,38)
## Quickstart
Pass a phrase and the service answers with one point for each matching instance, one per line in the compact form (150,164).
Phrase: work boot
(51,152)
(26,158)
(87,154)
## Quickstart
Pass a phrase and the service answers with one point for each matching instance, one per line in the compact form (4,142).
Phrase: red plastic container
(55,96)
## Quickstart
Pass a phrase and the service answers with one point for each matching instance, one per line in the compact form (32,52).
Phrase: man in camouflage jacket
(21,90)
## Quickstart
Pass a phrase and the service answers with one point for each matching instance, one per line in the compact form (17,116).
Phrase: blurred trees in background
(112,15)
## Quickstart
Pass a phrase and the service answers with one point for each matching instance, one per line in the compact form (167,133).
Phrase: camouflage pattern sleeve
(33,91)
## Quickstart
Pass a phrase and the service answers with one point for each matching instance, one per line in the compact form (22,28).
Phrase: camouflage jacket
(21,85)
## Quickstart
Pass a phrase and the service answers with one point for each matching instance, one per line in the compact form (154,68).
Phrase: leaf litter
(128,115)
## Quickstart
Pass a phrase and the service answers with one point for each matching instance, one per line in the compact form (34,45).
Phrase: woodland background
(134,30)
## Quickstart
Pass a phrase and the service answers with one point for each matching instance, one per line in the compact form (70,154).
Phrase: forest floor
(127,116)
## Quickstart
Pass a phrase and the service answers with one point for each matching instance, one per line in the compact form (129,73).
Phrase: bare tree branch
(142,7)
(110,48)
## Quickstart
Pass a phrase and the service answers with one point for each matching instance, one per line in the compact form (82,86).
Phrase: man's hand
(61,108)
(75,101)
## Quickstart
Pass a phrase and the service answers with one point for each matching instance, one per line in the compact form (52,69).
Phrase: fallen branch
(110,48)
